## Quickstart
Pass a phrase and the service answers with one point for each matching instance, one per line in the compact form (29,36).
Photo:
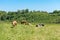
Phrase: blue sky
(42,5)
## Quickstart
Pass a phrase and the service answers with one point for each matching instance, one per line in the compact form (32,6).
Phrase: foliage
(31,16)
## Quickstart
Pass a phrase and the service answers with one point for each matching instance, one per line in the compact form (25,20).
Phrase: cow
(14,23)
(24,22)
(39,25)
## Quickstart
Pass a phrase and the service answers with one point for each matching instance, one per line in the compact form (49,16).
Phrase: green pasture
(29,32)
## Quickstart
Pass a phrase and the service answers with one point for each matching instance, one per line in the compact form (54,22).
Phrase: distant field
(28,32)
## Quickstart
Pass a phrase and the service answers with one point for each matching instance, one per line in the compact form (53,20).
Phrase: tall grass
(28,32)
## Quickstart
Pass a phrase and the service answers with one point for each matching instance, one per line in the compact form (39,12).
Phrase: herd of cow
(14,23)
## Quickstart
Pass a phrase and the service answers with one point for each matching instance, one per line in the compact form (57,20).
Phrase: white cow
(14,23)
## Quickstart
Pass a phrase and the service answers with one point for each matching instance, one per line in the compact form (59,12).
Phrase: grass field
(28,32)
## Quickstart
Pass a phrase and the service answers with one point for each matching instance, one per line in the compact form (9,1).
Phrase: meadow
(28,32)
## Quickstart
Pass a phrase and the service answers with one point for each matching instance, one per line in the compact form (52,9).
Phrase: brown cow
(24,22)
(14,23)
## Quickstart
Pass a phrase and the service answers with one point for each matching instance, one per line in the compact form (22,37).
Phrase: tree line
(31,16)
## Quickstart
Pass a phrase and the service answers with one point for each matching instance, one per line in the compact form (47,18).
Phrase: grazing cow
(24,22)
(14,23)
(40,25)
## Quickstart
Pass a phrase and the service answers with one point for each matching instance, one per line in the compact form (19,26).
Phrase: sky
(42,5)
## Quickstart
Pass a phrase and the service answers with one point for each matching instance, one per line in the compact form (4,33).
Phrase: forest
(31,16)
